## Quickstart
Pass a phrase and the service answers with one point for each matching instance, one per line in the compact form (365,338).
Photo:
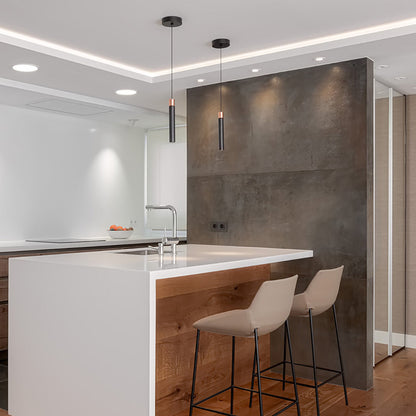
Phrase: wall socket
(219,226)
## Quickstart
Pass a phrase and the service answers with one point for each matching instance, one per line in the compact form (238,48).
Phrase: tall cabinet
(389,221)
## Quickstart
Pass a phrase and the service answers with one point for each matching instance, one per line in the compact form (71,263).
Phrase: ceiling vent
(70,107)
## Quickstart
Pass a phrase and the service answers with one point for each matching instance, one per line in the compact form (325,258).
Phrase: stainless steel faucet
(172,241)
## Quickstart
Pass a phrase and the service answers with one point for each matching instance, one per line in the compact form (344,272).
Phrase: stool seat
(318,297)
(268,311)
(300,306)
(320,294)
(238,323)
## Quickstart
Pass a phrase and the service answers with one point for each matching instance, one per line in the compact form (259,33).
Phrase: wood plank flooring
(394,394)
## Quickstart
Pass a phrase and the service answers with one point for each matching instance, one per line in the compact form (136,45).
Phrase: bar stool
(268,311)
(319,296)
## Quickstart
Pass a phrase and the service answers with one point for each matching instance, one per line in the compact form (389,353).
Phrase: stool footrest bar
(266,394)
(213,395)
(301,365)
(299,383)
(213,411)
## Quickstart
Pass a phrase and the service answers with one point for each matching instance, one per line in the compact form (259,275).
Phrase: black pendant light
(221,44)
(171,21)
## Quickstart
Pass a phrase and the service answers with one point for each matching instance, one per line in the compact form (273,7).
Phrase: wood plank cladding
(180,302)
(4,309)
(4,289)
(4,266)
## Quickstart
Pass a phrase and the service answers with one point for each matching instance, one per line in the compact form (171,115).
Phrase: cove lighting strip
(368,34)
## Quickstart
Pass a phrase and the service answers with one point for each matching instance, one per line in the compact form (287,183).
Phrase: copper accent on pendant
(172,101)
(220,114)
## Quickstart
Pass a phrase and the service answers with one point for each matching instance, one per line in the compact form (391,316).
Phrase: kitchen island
(104,333)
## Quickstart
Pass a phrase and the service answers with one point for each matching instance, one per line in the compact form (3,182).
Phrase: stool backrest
(323,290)
(271,306)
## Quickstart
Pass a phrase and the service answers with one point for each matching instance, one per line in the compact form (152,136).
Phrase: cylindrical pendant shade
(221,44)
(172,121)
(171,22)
(221,130)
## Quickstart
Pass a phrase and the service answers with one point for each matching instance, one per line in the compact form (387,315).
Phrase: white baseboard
(411,341)
(382,337)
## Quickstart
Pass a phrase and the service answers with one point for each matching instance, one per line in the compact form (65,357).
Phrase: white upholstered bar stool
(268,311)
(319,296)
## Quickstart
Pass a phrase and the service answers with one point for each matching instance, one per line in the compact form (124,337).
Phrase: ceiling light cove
(302,47)
(255,70)
(400,78)
(126,92)
(25,68)
(200,80)
(320,58)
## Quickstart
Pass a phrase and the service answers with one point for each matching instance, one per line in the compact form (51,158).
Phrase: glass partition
(381,163)
(389,222)
(398,284)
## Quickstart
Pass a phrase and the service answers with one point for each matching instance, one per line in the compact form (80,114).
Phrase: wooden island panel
(180,301)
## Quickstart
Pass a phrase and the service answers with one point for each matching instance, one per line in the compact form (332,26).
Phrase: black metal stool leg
(252,379)
(339,353)
(256,343)
(232,376)
(314,363)
(284,358)
(292,365)
(191,408)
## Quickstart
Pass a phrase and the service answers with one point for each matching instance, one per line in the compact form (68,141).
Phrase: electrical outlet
(219,226)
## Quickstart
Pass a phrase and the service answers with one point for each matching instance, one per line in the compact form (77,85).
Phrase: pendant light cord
(221,80)
(171,62)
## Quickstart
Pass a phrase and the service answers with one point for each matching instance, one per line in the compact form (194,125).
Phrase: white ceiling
(122,44)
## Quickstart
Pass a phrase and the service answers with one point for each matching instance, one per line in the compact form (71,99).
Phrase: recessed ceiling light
(255,70)
(200,80)
(399,78)
(320,58)
(126,92)
(382,66)
(25,68)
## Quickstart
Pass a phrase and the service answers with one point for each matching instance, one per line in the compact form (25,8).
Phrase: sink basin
(139,252)
(144,252)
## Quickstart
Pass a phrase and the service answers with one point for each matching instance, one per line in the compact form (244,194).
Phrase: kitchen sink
(139,252)
(144,252)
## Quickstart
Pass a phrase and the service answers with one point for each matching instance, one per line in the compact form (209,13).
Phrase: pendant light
(171,21)
(220,44)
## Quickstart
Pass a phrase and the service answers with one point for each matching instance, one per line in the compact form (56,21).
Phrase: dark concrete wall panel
(296,172)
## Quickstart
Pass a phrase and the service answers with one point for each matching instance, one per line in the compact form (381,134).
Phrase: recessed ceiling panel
(70,107)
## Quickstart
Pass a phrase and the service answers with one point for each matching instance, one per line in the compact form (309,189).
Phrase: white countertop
(69,312)
(190,259)
(22,245)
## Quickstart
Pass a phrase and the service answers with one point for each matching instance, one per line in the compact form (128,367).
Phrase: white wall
(166,177)
(64,176)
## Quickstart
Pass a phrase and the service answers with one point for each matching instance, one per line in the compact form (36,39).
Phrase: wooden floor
(394,394)
(381,351)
